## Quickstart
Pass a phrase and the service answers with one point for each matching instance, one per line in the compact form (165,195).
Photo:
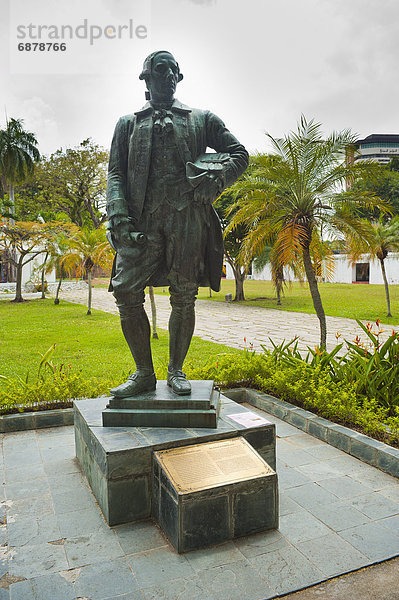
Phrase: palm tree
(291,195)
(18,154)
(382,239)
(87,249)
(57,248)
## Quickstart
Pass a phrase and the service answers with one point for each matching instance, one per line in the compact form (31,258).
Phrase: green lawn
(93,344)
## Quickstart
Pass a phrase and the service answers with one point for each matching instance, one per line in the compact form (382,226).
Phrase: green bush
(308,385)
(372,370)
(52,386)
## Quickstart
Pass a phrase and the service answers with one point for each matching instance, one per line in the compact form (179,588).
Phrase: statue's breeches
(174,253)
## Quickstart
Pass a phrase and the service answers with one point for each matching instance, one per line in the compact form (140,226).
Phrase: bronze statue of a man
(161,219)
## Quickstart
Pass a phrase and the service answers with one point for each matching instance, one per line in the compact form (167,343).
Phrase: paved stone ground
(337,514)
(239,326)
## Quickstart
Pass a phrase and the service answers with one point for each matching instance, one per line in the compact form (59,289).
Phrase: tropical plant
(371,368)
(382,238)
(232,243)
(18,155)
(295,196)
(57,247)
(87,249)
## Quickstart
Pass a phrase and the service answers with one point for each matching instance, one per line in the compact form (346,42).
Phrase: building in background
(362,272)
(378,147)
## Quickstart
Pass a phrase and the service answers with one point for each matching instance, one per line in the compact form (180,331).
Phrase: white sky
(258,64)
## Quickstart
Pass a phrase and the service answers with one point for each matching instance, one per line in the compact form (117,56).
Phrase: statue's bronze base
(164,408)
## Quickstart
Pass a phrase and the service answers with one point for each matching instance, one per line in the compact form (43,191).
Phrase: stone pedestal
(118,461)
(164,408)
(209,493)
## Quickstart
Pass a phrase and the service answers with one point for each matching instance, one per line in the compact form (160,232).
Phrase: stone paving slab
(240,326)
(57,546)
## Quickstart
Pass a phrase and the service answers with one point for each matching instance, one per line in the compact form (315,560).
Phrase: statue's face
(164,77)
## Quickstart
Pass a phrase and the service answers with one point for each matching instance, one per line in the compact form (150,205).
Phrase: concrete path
(240,326)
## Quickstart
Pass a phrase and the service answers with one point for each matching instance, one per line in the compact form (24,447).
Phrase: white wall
(29,274)
(344,271)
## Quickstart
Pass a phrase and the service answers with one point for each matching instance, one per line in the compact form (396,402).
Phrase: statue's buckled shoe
(178,382)
(136,384)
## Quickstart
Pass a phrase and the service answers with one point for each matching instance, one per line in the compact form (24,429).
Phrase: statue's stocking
(181,328)
(137,331)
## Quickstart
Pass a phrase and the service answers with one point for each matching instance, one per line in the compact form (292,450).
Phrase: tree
(278,279)
(31,202)
(57,247)
(382,239)
(232,243)
(73,182)
(87,249)
(18,155)
(291,195)
(383,181)
(23,242)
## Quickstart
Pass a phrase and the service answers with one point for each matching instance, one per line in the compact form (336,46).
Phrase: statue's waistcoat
(189,142)
(167,181)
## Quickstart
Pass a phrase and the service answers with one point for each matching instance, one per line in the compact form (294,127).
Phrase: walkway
(239,326)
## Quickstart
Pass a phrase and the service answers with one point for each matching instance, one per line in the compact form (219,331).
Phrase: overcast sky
(258,64)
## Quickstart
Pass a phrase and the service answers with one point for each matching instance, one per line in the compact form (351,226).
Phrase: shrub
(53,386)
(309,385)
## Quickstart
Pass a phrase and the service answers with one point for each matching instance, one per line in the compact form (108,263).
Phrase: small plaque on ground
(212,464)
(248,419)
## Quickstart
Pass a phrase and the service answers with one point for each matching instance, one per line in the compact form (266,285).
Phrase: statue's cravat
(162,120)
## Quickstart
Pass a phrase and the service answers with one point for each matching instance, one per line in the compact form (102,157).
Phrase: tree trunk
(44,262)
(239,277)
(153,312)
(11,198)
(56,299)
(90,292)
(278,282)
(18,284)
(384,276)
(314,291)
(278,292)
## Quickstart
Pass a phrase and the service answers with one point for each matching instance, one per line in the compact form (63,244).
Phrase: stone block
(129,499)
(362,449)
(388,460)
(17,422)
(119,460)
(298,418)
(209,493)
(48,418)
(318,428)
(338,437)
(239,395)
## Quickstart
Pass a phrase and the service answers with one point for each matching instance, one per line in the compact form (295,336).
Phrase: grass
(93,344)
(354,301)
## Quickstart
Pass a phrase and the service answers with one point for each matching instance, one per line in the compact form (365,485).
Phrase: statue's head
(162,74)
